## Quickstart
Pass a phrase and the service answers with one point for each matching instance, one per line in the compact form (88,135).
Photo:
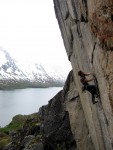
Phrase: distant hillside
(22,74)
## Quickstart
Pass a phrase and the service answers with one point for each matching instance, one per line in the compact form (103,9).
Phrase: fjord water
(23,101)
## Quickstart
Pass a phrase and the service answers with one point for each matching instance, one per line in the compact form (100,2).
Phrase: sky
(29,30)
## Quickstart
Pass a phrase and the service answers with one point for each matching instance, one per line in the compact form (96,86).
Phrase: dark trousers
(92,89)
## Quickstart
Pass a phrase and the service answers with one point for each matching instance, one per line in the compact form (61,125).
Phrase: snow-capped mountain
(18,74)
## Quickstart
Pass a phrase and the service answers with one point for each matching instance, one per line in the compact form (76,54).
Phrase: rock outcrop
(55,124)
(87,31)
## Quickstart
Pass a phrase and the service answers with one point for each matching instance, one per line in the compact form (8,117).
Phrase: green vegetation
(59,147)
(17,123)
(4,140)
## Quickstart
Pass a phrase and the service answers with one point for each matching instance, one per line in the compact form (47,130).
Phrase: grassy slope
(16,124)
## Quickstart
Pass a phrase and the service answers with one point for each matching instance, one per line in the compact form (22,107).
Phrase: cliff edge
(87,31)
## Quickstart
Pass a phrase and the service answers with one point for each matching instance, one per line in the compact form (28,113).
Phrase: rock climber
(86,86)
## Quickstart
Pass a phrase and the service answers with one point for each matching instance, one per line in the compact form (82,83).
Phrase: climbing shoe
(95,102)
(97,95)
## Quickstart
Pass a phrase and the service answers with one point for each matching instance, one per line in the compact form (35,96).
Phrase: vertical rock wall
(87,31)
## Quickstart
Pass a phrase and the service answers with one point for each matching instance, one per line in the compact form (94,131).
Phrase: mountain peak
(29,74)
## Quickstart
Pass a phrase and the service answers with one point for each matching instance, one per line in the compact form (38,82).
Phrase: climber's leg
(93,99)
(92,90)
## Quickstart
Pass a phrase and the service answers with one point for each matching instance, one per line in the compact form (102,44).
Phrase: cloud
(29,30)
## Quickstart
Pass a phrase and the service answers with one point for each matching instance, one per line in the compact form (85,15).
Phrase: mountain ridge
(23,74)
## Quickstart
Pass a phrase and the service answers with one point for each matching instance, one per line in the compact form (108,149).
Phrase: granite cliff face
(87,31)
